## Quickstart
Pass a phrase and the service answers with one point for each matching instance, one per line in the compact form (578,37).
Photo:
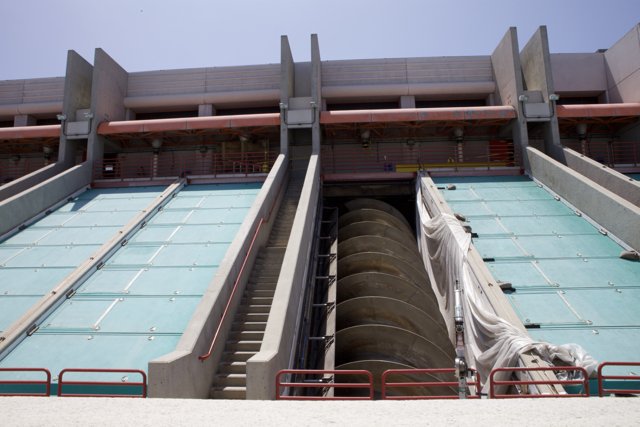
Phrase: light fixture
(581,129)
(47,152)
(88,115)
(283,106)
(554,97)
(156,144)
(365,138)
(61,117)
(523,98)
(458,133)
(244,139)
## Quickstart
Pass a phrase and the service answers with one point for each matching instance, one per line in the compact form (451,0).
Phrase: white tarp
(490,341)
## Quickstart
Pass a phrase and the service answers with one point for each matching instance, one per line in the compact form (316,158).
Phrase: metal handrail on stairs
(205,356)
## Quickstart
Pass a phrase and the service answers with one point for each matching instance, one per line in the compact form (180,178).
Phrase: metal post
(460,362)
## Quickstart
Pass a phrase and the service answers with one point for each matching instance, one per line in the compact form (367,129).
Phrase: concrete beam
(181,373)
(109,89)
(535,60)
(622,62)
(77,95)
(287,86)
(616,214)
(279,336)
(505,61)
(316,93)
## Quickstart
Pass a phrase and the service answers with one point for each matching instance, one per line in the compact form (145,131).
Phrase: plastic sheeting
(490,341)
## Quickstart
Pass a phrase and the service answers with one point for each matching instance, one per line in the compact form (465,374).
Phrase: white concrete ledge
(610,179)
(619,216)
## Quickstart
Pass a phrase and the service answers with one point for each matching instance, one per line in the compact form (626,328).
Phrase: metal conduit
(387,316)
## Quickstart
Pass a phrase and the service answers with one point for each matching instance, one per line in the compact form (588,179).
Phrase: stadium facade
(204,229)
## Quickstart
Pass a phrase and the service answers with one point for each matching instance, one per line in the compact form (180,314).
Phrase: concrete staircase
(250,321)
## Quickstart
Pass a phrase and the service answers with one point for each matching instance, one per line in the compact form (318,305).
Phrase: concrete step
(261,293)
(256,300)
(248,326)
(263,286)
(245,335)
(231,380)
(254,309)
(233,368)
(237,356)
(252,317)
(229,393)
(243,346)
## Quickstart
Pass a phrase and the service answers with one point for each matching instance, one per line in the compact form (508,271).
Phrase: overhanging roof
(598,110)
(189,124)
(453,114)
(30,132)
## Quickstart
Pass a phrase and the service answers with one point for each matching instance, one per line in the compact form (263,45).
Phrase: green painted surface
(570,285)
(137,306)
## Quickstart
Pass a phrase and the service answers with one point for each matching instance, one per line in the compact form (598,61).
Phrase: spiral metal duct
(387,316)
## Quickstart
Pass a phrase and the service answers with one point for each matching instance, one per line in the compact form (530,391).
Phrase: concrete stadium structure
(236,191)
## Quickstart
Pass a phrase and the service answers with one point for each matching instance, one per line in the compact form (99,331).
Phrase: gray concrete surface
(623,68)
(617,215)
(279,336)
(26,411)
(613,181)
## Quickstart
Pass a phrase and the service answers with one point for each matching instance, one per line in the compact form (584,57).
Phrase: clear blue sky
(162,34)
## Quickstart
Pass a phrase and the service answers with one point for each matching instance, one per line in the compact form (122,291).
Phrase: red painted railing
(584,382)
(325,383)
(182,163)
(400,157)
(426,384)
(46,383)
(205,356)
(602,391)
(610,153)
(62,383)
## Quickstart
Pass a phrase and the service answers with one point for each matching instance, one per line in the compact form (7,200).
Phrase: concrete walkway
(69,411)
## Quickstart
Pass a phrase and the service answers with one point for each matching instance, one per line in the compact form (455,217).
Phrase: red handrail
(368,385)
(601,378)
(61,382)
(428,384)
(205,356)
(46,384)
(584,381)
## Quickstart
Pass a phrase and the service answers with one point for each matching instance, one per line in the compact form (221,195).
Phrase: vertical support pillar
(287,81)
(538,76)
(77,95)
(505,60)
(110,82)
(316,94)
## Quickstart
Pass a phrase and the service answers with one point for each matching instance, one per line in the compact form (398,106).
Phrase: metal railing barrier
(583,382)
(324,383)
(621,380)
(25,387)
(386,384)
(103,388)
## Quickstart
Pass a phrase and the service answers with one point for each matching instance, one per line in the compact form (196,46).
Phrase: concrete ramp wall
(614,213)
(21,207)
(613,181)
(279,336)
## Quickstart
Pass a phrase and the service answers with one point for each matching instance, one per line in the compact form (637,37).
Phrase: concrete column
(407,101)
(205,110)
(622,62)
(24,120)
(505,60)
(316,93)
(77,95)
(109,89)
(538,76)
(287,81)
